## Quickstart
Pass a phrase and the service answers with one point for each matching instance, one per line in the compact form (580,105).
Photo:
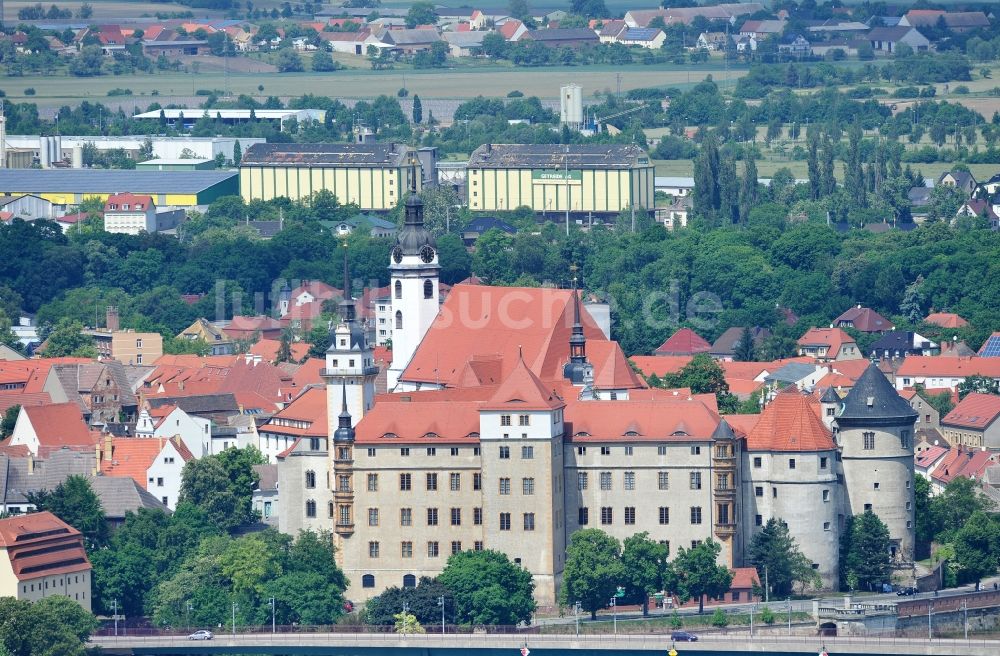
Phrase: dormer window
(631,434)
(431,434)
(124,206)
(390,436)
(679,433)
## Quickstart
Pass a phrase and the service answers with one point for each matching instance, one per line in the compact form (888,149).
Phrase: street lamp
(789,602)
(614,609)
(189,607)
(576,615)
(965,622)
(441,604)
(272,616)
(235,607)
(116,617)
(406,609)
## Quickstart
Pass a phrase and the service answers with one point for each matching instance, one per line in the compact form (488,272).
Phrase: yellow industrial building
(584,179)
(65,188)
(375,176)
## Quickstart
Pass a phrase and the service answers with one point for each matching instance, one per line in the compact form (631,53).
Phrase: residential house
(960,462)
(217,408)
(888,39)
(573,37)
(683,342)
(964,181)
(711,41)
(265,498)
(351,43)
(101,390)
(724,348)
(465,44)
(944,372)
(129,214)
(828,345)
(973,422)
(154,464)
(686,15)
(46,428)
(482,224)
(673,186)
(991,347)
(976,208)
(928,416)
(955,21)
(610,30)
(512,29)
(410,41)
(897,344)
(111,39)
(863,320)
(642,37)
(746,44)
(762,29)
(373,226)
(992,185)
(834,26)
(171,422)
(303,418)
(795,45)
(946,320)
(674,215)
(42,556)
(803,375)
(252,328)
(203,330)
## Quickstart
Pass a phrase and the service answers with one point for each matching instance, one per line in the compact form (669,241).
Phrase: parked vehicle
(683,636)
(906,591)
(201,635)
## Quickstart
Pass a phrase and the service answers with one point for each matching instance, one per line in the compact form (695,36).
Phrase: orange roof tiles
(40,544)
(744,578)
(660,365)
(950,367)
(656,419)
(479,322)
(832,338)
(431,422)
(133,456)
(522,390)
(59,424)
(928,457)
(268,349)
(684,342)
(790,423)
(611,369)
(976,411)
(308,408)
(946,320)
(10,399)
(308,373)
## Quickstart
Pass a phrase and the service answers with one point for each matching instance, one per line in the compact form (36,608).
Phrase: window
(432,516)
(605,480)
(406,549)
(663,480)
(696,450)
(478,545)
(329,510)
(774,493)
(908,505)
(505,453)
(404,451)
(869,441)
(409,581)
(345,516)
(581,480)
(661,450)
(583,516)
(433,550)
(758,520)
(455,481)
(826,495)
(504,521)
(504,486)
(628,451)
(456,516)
(822,462)
(904,439)
(373,549)
(826,526)
(605,450)
(344,483)
(477,516)
(368,581)
(404,482)
(505,420)
(630,514)
(373,482)
(310,479)
(757,462)
(664,515)
(428,289)
(371,452)
(159,482)
(695,480)
(399,320)
(876,486)
(406,516)
(629,480)
(791,463)
(398,287)
(868,506)
(454,450)
(432,451)
(527,453)
(696,514)
(524,420)
(138,358)
(581,450)
(607,515)
(432,482)
(529,521)
(456,547)
(527,486)
(373,516)
(477,481)
(310,508)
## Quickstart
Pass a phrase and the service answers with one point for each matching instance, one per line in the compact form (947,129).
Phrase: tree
(702,374)
(745,349)
(977,384)
(9,420)
(911,306)
(284,347)
(86,11)
(74,502)
(288,61)
(593,570)
(222,485)
(749,190)
(53,626)
(864,552)
(418,111)
(815,182)
(237,153)
(695,574)
(922,513)
(950,510)
(488,588)
(775,550)
(322,61)
(421,13)
(643,561)
(422,601)
(977,547)
(407,623)
(519,9)
(589,8)
(88,62)
(67,339)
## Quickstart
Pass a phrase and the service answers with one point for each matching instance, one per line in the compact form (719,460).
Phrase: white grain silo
(571,105)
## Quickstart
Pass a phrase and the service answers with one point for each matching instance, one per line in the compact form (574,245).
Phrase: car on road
(907,591)
(201,635)
(683,636)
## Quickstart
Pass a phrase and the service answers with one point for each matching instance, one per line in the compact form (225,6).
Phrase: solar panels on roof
(991,348)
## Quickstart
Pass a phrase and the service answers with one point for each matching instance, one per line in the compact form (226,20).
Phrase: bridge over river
(353,644)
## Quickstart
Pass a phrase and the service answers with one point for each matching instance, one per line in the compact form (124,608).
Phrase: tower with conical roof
(577,369)
(342,452)
(350,363)
(874,430)
(414,269)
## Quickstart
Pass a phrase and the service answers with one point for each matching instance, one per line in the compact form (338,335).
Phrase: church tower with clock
(414,286)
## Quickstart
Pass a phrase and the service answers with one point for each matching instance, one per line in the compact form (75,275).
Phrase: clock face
(397,254)
(427,254)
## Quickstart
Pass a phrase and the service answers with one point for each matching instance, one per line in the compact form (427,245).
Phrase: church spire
(577,342)
(414,206)
(347,302)
(344,432)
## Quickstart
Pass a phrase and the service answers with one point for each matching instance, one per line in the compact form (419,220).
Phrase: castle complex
(512,421)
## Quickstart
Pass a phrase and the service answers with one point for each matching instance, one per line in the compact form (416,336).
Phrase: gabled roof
(308,408)
(117,203)
(40,544)
(928,457)
(658,418)
(864,319)
(728,341)
(59,424)
(522,390)
(133,456)
(832,338)
(901,341)
(790,423)
(975,411)
(873,398)
(683,342)
(562,34)
(949,367)
(946,320)
(268,349)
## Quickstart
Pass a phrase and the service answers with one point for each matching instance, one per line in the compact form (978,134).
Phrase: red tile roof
(429,421)
(744,578)
(133,456)
(268,349)
(651,419)
(928,457)
(683,342)
(522,390)
(611,368)
(948,367)
(832,338)
(661,365)
(864,319)
(59,424)
(946,320)
(119,201)
(960,463)
(22,399)
(790,423)
(509,28)
(975,411)
(308,408)
(40,544)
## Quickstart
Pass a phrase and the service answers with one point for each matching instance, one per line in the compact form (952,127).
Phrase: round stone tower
(874,428)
